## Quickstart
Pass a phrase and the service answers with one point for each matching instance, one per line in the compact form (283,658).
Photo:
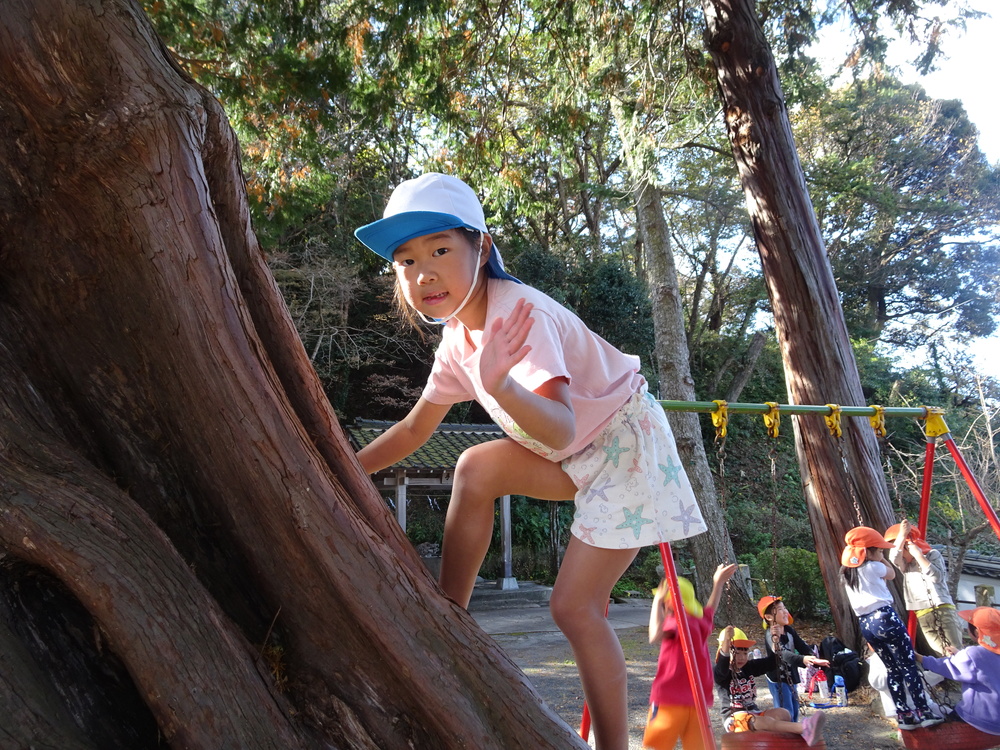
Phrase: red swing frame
(936,428)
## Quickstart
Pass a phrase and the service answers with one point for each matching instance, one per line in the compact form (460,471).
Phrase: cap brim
(966,614)
(385,235)
(742,644)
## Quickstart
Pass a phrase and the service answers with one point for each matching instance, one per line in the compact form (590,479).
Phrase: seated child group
(961,646)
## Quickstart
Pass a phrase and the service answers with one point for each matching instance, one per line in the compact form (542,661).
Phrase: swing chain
(720,419)
(834,425)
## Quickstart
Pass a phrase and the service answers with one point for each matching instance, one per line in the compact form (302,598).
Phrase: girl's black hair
(850,576)
(403,309)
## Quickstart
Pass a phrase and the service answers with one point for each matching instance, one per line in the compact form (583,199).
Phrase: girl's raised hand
(724,572)
(503,347)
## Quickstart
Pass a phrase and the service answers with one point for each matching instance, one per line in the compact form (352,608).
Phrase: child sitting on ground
(734,676)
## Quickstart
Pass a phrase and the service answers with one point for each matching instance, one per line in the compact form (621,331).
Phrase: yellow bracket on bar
(833,420)
(772,418)
(720,418)
(878,420)
(934,422)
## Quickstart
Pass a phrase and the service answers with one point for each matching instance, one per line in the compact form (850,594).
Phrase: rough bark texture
(169,467)
(818,362)
(676,384)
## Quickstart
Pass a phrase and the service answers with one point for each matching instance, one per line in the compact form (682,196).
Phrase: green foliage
(796,578)
(908,203)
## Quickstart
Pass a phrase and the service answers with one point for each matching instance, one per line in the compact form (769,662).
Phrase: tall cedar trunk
(818,362)
(177,499)
(715,545)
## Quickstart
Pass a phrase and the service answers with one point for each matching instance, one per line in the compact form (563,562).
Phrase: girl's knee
(572,613)
(778,714)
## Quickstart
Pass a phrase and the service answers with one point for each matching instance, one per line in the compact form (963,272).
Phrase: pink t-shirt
(601,378)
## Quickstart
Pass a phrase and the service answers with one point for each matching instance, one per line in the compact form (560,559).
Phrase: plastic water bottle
(824,688)
(803,686)
(840,689)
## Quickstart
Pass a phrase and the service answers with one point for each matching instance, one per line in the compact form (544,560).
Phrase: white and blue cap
(430,203)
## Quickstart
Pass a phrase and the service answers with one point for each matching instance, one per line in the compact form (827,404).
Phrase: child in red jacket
(673,714)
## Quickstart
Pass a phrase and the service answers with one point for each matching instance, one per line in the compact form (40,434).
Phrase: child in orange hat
(865,573)
(977,668)
(734,677)
(925,587)
(792,653)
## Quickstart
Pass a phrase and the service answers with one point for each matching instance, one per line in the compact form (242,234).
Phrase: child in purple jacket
(977,668)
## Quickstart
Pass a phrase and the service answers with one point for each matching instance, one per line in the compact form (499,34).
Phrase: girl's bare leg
(578,604)
(484,473)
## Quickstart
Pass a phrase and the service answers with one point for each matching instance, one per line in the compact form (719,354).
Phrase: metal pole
(690,656)
(925,506)
(973,483)
(710,407)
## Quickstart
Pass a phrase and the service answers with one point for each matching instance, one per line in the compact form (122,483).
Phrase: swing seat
(950,735)
(767,741)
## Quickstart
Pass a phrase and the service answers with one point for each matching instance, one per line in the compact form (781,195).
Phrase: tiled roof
(439,453)
(976,563)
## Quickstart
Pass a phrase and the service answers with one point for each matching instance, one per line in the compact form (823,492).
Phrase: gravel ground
(547,661)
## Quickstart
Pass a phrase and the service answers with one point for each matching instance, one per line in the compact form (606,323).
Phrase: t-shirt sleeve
(547,359)
(443,385)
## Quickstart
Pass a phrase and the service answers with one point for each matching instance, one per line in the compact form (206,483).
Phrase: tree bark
(166,451)
(715,545)
(818,361)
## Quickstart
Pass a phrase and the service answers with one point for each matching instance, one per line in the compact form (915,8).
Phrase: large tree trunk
(715,545)
(818,361)
(171,478)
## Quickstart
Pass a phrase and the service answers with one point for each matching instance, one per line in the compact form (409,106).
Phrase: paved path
(537,618)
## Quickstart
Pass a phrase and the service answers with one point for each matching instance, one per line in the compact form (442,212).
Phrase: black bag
(844,662)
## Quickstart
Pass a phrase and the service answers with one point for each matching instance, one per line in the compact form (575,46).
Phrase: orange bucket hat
(763,603)
(892,533)
(859,539)
(987,622)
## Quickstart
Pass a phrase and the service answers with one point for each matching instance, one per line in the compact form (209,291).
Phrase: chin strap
(468,296)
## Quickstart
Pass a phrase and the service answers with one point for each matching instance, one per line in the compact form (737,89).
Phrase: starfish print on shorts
(599,492)
(586,533)
(635,466)
(687,516)
(582,481)
(614,452)
(634,520)
(645,423)
(671,472)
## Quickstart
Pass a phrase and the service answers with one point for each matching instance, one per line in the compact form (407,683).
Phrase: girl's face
(740,656)
(778,614)
(435,272)
(876,554)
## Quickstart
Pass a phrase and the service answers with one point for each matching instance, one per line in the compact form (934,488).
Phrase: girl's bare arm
(404,437)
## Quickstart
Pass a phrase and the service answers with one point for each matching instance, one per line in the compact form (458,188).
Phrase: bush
(798,580)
